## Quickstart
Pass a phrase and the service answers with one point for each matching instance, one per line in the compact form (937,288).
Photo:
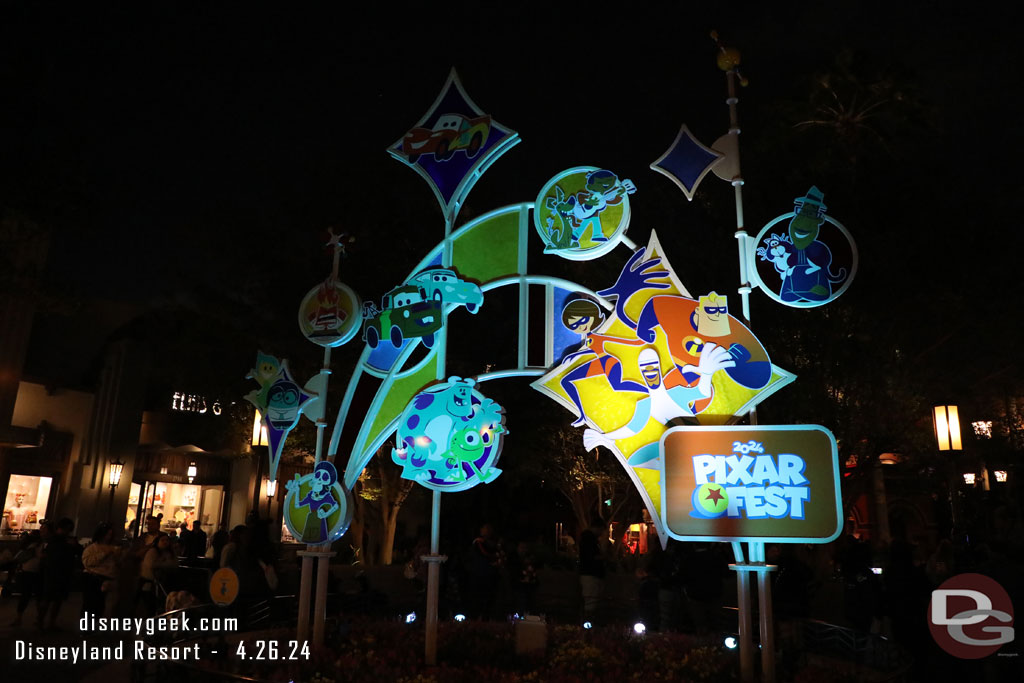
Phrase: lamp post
(271,487)
(259,440)
(114,478)
(947,438)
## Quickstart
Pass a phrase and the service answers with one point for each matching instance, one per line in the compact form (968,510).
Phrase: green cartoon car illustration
(407,313)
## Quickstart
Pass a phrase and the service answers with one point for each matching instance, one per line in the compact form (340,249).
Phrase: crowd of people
(158,570)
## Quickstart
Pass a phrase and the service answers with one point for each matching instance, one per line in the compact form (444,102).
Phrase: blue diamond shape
(686,162)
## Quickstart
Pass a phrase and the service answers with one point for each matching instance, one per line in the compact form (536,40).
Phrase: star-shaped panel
(280,402)
(661,358)
(686,162)
(453,144)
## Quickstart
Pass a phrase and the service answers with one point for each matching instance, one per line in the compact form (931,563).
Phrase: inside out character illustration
(319,502)
(283,402)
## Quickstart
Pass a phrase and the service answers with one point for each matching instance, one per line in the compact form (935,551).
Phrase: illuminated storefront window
(26,503)
(180,505)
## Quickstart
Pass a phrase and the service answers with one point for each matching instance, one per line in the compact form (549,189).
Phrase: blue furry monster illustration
(444,428)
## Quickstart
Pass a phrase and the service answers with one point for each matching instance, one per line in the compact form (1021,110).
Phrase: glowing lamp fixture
(639,628)
(410,618)
(588,625)
(116,468)
(163,470)
(947,428)
(969,478)
(259,431)
(191,471)
(460,617)
(271,487)
(731,642)
(1001,476)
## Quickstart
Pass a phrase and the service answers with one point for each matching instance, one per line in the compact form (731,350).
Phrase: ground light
(410,617)
(460,617)
(730,642)
(639,628)
(587,625)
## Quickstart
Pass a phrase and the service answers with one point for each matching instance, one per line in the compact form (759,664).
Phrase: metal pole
(320,615)
(744,618)
(305,585)
(433,560)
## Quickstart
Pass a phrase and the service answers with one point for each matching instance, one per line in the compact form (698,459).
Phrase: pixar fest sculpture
(631,363)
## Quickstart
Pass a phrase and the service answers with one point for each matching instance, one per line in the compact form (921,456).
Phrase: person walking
(29,563)
(60,555)
(100,565)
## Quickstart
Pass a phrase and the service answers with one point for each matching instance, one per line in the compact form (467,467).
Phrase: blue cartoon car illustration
(441,284)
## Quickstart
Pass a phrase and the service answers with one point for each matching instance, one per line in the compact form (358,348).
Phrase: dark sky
(174,146)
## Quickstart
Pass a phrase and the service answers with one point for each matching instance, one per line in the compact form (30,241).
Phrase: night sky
(190,156)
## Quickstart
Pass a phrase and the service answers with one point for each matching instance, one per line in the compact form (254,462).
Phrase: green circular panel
(582,213)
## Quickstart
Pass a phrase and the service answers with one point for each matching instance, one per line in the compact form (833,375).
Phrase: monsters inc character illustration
(446,427)
(571,215)
(320,502)
(801,259)
(670,395)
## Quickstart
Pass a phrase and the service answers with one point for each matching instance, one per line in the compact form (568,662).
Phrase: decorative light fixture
(969,478)
(163,470)
(889,458)
(192,471)
(259,431)
(116,468)
(639,628)
(947,428)
(1001,476)
(982,429)
(271,485)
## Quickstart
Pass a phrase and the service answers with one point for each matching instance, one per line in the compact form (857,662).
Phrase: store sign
(194,403)
(773,483)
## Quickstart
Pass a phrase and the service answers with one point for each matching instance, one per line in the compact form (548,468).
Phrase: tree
(378,497)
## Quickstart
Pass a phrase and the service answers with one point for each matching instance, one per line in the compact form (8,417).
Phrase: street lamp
(192,471)
(114,478)
(947,438)
(259,431)
(947,428)
(271,487)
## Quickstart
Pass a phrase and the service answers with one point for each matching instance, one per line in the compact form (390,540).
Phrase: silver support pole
(305,587)
(744,617)
(320,616)
(433,560)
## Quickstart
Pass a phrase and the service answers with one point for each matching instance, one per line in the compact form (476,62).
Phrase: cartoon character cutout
(582,212)
(317,510)
(801,260)
(280,402)
(450,437)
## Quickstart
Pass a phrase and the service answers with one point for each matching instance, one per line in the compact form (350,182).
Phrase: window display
(26,503)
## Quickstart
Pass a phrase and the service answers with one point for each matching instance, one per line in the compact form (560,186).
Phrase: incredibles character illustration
(689,324)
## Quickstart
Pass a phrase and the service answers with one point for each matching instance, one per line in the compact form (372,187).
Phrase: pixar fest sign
(772,483)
